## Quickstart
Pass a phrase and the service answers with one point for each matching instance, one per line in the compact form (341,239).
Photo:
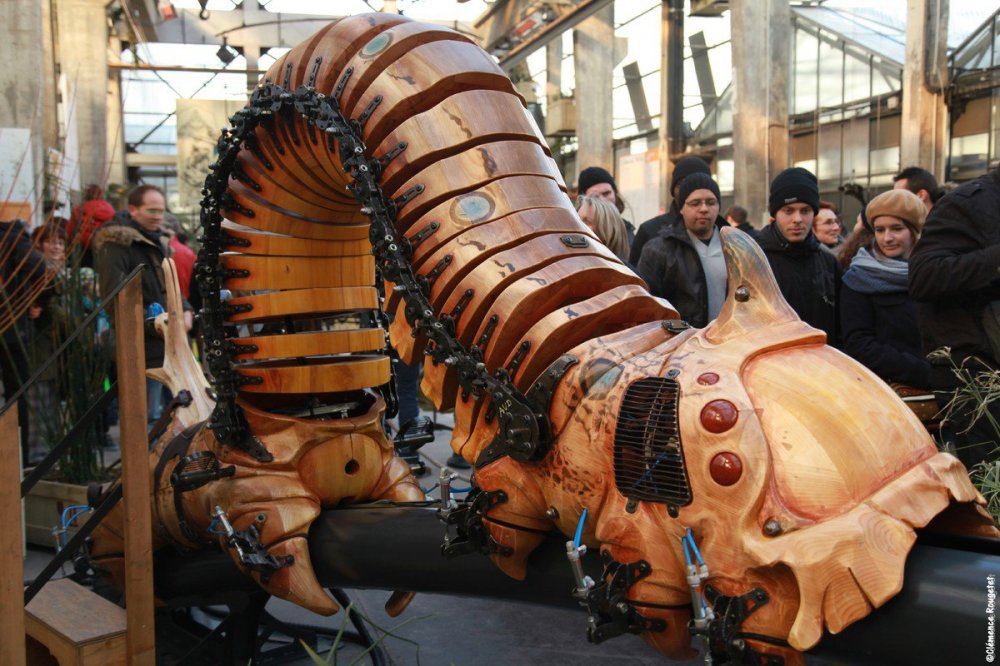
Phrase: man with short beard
(808,277)
(684,263)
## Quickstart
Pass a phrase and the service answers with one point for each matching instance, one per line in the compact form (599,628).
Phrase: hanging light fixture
(226,53)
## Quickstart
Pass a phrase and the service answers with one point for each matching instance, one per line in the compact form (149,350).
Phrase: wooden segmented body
(509,268)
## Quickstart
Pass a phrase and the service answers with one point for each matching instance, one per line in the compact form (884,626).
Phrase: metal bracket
(390,155)
(252,553)
(675,325)
(341,84)
(369,110)
(411,193)
(471,534)
(575,241)
(724,636)
(611,614)
(315,71)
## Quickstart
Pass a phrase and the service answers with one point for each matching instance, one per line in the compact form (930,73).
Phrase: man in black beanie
(651,228)
(597,182)
(684,263)
(808,277)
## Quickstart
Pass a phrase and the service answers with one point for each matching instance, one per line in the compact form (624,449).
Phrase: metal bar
(43,368)
(73,544)
(551,31)
(143,67)
(74,434)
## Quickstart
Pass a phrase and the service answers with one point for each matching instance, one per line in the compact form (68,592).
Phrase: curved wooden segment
(349,373)
(611,311)
(475,244)
(490,278)
(273,149)
(423,77)
(299,345)
(280,245)
(265,218)
(462,121)
(341,44)
(524,303)
(299,302)
(310,149)
(281,187)
(384,49)
(288,204)
(533,297)
(298,272)
(491,202)
(472,169)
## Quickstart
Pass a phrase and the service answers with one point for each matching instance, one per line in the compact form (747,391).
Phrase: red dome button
(726,469)
(719,416)
(708,378)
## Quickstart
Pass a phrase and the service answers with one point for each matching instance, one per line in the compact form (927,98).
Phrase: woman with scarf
(878,318)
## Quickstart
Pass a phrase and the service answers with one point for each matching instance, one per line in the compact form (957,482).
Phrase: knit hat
(903,204)
(592,176)
(795,185)
(696,181)
(685,167)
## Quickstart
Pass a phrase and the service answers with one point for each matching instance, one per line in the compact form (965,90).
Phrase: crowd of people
(104,246)
(933,330)
(918,278)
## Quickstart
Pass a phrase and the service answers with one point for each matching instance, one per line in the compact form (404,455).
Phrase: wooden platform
(77,626)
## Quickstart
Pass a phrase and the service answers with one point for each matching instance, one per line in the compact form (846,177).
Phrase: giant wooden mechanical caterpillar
(385,147)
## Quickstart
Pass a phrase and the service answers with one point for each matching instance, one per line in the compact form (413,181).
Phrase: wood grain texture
(462,121)
(347,374)
(271,244)
(299,272)
(318,301)
(76,625)
(130,357)
(311,344)
(11,541)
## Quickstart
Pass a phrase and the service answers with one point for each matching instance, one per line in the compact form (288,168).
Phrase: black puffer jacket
(649,230)
(808,277)
(955,272)
(671,267)
(118,249)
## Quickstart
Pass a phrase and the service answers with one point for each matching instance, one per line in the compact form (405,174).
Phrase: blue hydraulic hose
(579,529)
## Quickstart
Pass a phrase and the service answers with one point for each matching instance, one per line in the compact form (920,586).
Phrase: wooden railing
(134,491)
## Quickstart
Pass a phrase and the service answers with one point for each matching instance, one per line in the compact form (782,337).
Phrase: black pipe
(938,618)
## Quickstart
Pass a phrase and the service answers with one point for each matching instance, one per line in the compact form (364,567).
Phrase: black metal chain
(523,425)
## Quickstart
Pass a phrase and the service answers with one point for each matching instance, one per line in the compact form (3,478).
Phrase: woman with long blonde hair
(605,220)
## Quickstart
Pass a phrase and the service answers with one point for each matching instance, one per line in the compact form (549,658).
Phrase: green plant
(976,393)
(384,633)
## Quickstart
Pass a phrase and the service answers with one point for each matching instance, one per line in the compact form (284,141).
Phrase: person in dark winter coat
(597,182)
(809,277)
(21,272)
(651,228)
(955,279)
(684,263)
(119,248)
(878,319)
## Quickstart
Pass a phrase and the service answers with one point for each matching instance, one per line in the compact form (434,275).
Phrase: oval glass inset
(472,207)
(378,44)
(708,378)
(726,468)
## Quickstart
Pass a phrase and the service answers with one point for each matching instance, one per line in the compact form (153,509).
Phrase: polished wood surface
(289,246)
(317,301)
(349,374)
(311,344)
(464,120)
(299,272)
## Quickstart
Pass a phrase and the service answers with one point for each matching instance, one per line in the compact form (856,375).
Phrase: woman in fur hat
(878,317)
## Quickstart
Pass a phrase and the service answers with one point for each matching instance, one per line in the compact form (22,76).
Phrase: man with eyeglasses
(684,263)
(808,277)
(119,248)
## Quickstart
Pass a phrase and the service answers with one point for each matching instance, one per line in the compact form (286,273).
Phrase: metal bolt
(742,294)
(551,513)
(772,527)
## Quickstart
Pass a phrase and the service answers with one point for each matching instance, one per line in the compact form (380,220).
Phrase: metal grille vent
(649,459)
